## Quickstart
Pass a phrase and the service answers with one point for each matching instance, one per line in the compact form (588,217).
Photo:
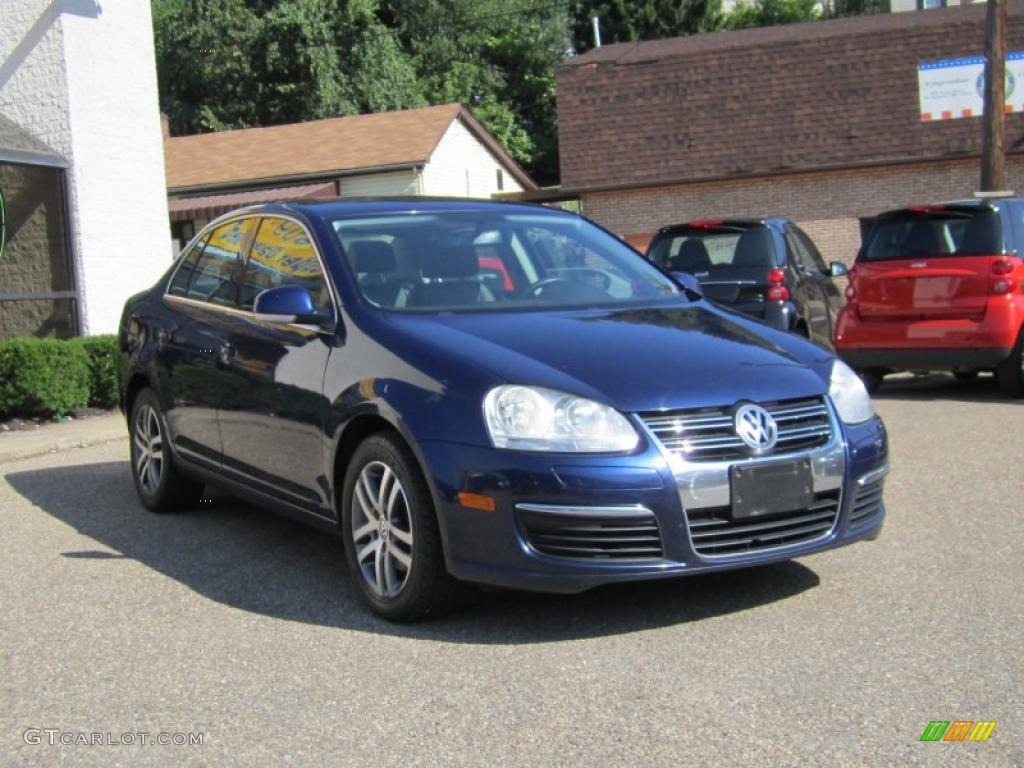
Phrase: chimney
(165,126)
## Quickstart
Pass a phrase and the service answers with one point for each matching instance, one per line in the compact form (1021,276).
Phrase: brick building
(82,207)
(819,122)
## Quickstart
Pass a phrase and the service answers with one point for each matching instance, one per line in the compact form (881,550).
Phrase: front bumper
(496,548)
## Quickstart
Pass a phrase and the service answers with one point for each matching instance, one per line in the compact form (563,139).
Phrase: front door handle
(225,353)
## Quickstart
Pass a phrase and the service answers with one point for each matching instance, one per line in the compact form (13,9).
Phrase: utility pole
(993,153)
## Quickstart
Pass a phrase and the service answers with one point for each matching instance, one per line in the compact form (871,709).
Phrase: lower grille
(867,504)
(631,535)
(713,532)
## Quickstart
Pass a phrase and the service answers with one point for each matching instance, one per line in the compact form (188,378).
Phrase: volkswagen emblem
(756,427)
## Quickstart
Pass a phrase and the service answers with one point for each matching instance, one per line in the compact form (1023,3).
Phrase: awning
(211,206)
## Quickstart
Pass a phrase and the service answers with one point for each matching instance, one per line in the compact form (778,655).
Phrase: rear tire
(872,378)
(1010,373)
(391,535)
(161,485)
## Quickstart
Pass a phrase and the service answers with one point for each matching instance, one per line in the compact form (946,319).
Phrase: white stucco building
(81,164)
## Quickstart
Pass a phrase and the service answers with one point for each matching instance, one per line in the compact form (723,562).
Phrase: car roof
(339,208)
(972,202)
(770,221)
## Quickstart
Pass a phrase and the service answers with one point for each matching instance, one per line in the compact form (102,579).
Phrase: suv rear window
(699,249)
(934,232)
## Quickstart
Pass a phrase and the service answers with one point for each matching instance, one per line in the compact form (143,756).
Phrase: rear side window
(805,252)
(210,271)
(183,275)
(702,249)
(935,232)
(282,254)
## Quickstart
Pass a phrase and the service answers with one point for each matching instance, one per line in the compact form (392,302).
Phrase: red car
(939,287)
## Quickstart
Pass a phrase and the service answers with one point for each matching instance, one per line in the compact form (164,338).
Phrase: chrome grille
(708,434)
(601,537)
(867,503)
(713,532)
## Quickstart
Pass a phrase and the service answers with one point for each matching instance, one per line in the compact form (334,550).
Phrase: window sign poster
(954,88)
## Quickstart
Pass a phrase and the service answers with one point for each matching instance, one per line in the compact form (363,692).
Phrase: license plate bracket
(770,488)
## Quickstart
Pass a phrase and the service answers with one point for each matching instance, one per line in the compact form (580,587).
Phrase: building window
(37,285)
(926,5)
(500,179)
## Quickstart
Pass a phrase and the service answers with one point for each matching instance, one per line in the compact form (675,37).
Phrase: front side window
(488,261)
(209,272)
(282,254)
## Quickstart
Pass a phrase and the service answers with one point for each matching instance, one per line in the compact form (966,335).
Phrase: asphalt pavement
(239,628)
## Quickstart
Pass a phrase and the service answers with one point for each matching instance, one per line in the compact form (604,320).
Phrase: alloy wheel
(382,529)
(148,449)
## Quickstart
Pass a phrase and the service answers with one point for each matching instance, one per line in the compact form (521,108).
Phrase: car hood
(635,359)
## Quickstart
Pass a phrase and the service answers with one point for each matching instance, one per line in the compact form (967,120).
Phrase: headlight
(538,419)
(849,395)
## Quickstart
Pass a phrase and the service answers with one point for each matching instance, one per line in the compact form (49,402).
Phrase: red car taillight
(1002,267)
(1002,283)
(776,290)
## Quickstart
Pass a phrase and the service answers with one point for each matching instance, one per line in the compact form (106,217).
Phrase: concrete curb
(54,438)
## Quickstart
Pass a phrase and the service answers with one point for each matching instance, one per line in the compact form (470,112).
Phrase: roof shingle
(318,147)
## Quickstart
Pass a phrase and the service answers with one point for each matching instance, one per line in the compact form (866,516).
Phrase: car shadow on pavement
(254,560)
(941,386)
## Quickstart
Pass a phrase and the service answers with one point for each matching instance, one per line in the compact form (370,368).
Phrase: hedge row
(49,377)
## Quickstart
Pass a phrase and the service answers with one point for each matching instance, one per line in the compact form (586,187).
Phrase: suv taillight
(776,290)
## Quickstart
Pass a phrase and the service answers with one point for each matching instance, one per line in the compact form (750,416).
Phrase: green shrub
(103,369)
(42,377)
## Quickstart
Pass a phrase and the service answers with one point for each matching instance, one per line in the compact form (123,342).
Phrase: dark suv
(767,268)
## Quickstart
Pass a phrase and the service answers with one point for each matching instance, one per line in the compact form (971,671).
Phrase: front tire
(161,485)
(1010,373)
(391,535)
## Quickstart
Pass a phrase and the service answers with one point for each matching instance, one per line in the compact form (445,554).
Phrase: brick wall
(792,97)
(826,204)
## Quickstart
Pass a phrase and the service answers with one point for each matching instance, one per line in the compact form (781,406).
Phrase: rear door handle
(225,353)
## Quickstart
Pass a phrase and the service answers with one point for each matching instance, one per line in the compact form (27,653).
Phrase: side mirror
(689,282)
(286,304)
(837,269)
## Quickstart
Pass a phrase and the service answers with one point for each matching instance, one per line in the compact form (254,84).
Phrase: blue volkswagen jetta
(473,392)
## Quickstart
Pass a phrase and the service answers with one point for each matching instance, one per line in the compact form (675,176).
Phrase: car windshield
(494,261)
(913,234)
(700,249)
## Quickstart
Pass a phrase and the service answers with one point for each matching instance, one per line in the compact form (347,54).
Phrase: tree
(206,78)
(765,13)
(839,8)
(624,21)
(497,57)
